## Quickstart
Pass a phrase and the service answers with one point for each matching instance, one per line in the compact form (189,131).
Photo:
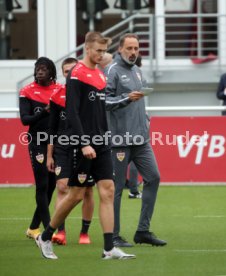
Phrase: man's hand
(89,152)
(50,164)
(135,95)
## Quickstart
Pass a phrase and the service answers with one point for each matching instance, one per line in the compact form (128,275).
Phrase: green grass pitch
(191,218)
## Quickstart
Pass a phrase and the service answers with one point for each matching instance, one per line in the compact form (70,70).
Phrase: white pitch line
(214,216)
(200,250)
(15,219)
(201,216)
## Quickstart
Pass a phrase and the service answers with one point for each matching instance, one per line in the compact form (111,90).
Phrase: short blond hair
(97,37)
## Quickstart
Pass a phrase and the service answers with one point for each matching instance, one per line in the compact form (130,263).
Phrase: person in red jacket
(34,112)
(58,157)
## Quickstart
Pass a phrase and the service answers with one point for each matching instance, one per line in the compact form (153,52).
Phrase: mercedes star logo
(92,96)
(38,109)
(62,115)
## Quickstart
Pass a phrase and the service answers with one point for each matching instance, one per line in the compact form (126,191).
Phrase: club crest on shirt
(40,158)
(120,156)
(57,170)
(82,177)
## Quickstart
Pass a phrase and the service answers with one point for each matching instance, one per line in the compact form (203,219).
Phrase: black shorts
(99,168)
(44,180)
(63,162)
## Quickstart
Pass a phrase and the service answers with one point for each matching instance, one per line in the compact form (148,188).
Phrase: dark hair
(97,37)
(68,61)
(49,65)
(127,35)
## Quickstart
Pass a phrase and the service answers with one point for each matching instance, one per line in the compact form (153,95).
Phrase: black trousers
(45,184)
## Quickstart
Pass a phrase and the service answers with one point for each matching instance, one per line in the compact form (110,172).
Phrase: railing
(140,24)
(169,40)
(153,108)
(190,35)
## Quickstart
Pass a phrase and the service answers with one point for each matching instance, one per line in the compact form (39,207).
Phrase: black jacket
(220,91)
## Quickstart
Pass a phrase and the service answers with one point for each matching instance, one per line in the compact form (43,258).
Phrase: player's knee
(110,193)
(107,192)
(111,190)
(72,201)
(62,187)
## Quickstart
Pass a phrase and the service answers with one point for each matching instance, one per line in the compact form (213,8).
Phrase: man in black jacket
(221,91)
(86,119)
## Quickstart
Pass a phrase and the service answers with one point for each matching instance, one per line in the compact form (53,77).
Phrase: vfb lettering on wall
(7,151)
(215,145)
(190,149)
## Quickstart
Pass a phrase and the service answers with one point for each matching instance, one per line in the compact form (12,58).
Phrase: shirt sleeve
(26,115)
(73,100)
(114,101)
(53,119)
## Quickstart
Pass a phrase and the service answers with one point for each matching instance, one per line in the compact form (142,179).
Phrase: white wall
(56,27)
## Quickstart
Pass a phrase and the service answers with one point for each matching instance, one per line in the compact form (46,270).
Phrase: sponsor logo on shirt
(90,180)
(124,78)
(63,115)
(101,95)
(38,109)
(92,96)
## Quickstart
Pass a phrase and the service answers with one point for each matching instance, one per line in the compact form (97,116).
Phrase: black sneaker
(149,238)
(121,242)
(135,195)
